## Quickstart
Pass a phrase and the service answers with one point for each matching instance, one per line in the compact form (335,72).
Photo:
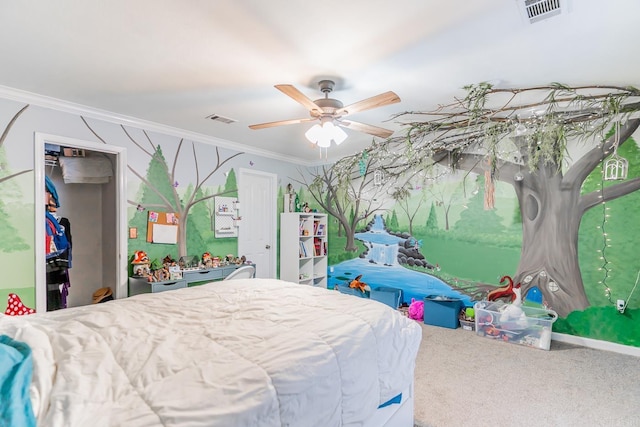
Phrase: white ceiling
(175,62)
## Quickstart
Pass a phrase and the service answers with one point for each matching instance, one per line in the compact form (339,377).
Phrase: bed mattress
(248,352)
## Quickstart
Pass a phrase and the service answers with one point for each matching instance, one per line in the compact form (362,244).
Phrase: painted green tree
(432,219)
(11,239)
(231,184)
(199,233)
(446,195)
(476,221)
(409,204)
(149,199)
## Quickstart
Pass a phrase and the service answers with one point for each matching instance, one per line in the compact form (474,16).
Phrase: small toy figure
(161,274)
(141,264)
(207,261)
(357,284)
(140,257)
(141,270)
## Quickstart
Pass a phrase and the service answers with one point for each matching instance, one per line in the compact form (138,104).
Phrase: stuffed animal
(416,310)
(357,284)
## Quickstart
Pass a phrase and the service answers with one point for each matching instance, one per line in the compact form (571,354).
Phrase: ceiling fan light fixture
(325,133)
(330,112)
(314,133)
(334,132)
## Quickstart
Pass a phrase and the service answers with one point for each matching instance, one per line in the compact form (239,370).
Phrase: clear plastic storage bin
(529,326)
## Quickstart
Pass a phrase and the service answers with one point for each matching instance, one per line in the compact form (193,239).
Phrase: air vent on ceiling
(537,10)
(219,118)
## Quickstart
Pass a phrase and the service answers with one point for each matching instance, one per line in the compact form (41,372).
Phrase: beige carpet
(466,380)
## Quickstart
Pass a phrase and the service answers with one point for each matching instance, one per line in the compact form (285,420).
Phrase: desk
(191,277)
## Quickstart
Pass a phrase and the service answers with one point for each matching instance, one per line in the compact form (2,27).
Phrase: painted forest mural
(523,144)
(480,189)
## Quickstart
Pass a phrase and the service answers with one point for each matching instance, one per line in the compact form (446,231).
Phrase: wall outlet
(620,305)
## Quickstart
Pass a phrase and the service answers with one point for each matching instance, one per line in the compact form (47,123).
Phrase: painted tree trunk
(182,237)
(550,223)
(350,245)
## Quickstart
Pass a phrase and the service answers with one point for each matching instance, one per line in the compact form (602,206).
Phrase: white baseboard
(597,344)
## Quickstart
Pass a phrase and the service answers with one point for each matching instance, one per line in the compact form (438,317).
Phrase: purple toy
(416,310)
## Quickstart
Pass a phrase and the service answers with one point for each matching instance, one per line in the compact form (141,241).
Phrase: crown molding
(108,116)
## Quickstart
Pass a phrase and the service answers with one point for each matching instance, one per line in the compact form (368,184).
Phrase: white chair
(244,272)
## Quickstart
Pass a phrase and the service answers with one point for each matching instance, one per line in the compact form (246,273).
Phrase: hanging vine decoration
(485,120)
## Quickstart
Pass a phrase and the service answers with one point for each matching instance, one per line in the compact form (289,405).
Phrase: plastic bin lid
(441,298)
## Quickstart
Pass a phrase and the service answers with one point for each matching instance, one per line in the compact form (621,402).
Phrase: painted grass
(471,261)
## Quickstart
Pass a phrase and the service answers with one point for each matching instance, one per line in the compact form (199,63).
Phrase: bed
(245,352)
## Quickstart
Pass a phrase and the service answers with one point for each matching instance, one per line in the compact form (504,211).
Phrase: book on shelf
(325,248)
(320,230)
(316,224)
(317,246)
(303,250)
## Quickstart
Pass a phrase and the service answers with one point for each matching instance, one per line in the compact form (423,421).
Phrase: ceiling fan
(332,110)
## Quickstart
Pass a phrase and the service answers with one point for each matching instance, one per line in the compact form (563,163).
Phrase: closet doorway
(96,210)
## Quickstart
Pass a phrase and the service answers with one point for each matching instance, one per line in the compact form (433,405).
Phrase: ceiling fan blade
(381,100)
(298,96)
(361,127)
(281,123)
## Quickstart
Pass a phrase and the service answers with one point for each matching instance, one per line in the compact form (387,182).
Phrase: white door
(257,233)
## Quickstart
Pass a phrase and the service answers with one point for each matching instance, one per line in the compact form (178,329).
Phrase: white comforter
(255,352)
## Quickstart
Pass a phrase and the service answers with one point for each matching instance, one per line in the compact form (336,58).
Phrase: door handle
(267,247)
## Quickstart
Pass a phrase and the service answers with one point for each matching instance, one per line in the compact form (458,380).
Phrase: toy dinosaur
(503,292)
(357,284)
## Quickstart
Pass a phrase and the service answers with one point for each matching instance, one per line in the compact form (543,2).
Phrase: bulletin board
(162,227)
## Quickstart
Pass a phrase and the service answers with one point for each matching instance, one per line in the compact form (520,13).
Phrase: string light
(605,266)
